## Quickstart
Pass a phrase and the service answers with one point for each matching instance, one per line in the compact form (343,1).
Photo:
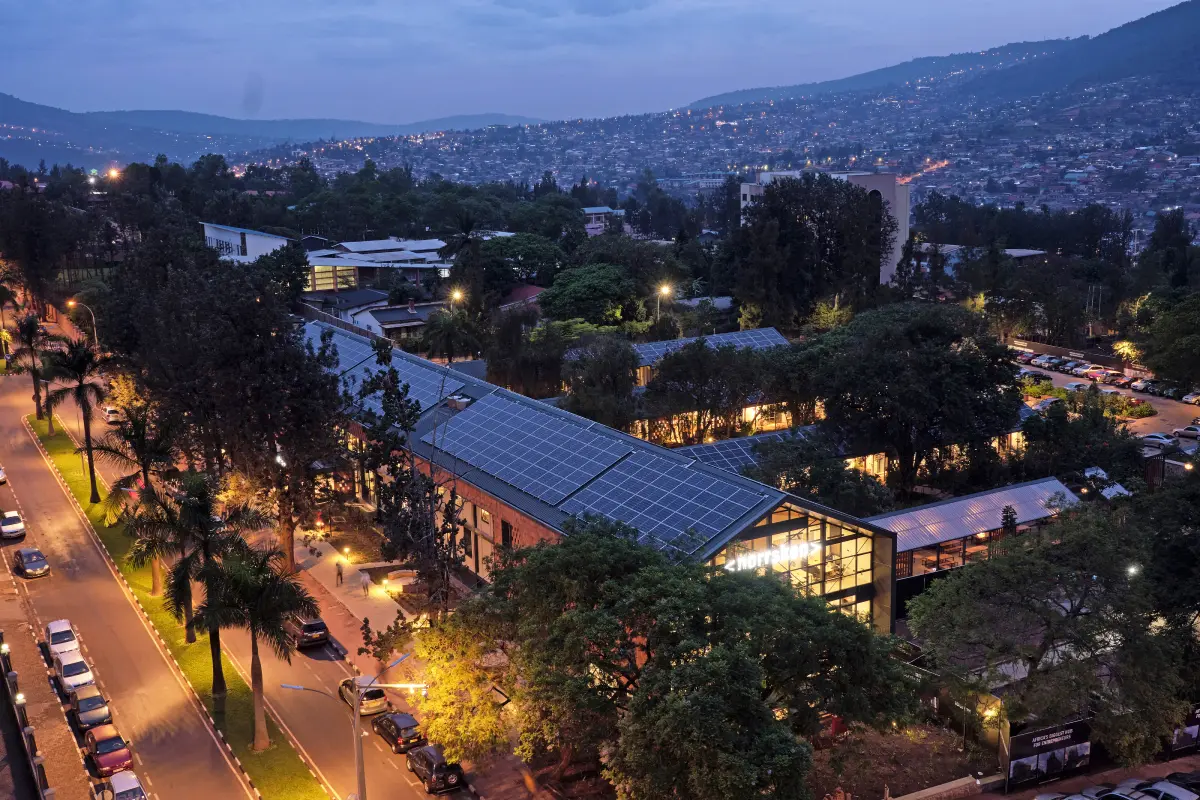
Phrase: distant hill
(103,136)
(1163,45)
(937,68)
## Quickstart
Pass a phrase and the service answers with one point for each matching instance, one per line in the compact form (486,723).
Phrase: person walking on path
(366,584)
(339,573)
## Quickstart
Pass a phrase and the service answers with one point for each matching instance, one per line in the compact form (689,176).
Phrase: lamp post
(456,297)
(359,689)
(95,327)
(663,291)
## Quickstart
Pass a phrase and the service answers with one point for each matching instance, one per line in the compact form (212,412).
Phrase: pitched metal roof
(976,513)
(759,339)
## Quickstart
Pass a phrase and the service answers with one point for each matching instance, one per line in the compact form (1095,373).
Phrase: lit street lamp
(663,291)
(456,297)
(359,689)
(95,327)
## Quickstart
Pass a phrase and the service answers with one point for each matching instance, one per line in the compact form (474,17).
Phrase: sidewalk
(343,609)
(1111,777)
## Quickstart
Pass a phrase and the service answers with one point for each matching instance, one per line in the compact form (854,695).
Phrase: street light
(359,689)
(95,327)
(456,296)
(663,291)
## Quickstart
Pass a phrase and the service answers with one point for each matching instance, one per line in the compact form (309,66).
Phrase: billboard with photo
(1186,738)
(1049,753)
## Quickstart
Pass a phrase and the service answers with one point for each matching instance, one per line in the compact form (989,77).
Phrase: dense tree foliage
(810,465)
(600,376)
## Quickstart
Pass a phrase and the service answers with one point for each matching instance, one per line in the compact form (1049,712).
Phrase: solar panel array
(758,339)
(731,455)
(426,385)
(663,498)
(538,452)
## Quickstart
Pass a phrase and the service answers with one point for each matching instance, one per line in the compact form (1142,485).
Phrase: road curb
(160,643)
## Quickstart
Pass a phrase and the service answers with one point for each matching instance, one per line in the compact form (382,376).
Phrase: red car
(107,750)
(1024,358)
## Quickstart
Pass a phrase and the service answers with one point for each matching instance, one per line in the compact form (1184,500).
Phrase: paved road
(175,753)
(322,727)
(1172,414)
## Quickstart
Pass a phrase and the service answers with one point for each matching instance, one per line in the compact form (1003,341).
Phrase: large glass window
(977,547)
(924,560)
(950,554)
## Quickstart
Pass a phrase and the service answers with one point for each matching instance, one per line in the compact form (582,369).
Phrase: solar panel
(663,499)
(758,339)
(426,385)
(539,452)
(731,455)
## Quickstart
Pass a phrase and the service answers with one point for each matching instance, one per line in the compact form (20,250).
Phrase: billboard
(1187,736)
(1049,753)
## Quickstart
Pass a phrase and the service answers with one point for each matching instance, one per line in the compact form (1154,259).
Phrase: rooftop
(244,230)
(551,465)
(350,298)
(759,339)
(947,520)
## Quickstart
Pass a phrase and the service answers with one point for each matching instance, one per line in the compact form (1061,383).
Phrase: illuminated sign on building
(781,554)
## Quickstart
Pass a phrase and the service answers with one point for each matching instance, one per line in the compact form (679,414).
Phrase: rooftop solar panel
(664,499)
(539,452)
(731,455)
(758,339)
(426,385)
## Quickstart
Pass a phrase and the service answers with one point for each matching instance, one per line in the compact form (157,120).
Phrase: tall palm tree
(203,538)
(143,447)
(79,367)
(460,235)
(29,353)
(262,596)
(450,333)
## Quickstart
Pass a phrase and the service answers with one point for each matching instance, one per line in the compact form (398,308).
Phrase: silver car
(374,701)
(72,671)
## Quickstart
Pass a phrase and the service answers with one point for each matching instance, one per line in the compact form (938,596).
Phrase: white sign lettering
(781,554)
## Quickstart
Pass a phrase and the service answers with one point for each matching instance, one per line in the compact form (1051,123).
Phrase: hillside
(936,68)
(1163,45)
(103,136)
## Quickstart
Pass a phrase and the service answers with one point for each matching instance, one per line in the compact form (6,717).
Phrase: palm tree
(261,596)
(459,236)
(29,355)
(143,447)
(202,539)
(450,333)
(79,367)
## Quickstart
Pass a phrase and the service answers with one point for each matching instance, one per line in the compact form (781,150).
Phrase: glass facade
(845,564)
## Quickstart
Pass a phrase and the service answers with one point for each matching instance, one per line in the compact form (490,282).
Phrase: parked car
(1083,369)
(126,786)
(1033,375)
(1025,357)
(430,765)
(1193,399)
(88,707)
(1160,440)
(374,701)
(108,752)
(60,637)
(1165,790)
(1141,385)
(1096,790)
(399,730)
(72,671)
(28,562)
(1049,362)
(11,525)
(112,415)
(3,476)
(1171,392)
(1110,392)
(1077,387)
(308,632)
(1066,366)
(1119,380)
(1188,780)
(1187,431)
(1098,373)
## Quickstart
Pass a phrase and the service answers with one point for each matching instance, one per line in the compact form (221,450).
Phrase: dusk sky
(392,61)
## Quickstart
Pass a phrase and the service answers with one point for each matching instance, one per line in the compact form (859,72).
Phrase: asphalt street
(320,726)
(176,754)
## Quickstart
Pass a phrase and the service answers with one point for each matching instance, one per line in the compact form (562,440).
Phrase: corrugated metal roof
(244,230)
(759,338)
(965,516)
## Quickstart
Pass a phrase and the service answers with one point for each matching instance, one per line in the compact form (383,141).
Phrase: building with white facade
(240,244)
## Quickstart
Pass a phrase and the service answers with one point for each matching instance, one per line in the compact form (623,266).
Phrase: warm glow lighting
(1133,569)
(114,173)
(1189,466)
(456,295)
(20,698)
(664,290)
(346,550)
(70,303)
(4,649)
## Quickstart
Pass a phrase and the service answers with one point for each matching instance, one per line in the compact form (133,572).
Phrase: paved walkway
(343,609)
(1112,777)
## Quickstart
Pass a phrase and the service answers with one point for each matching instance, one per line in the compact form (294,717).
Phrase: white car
(126,786)
(3,476)
(1193,399)
(11,525)
(60,637)
(72,671)
(1189,431)
(1109,391)
(112,415)
(1077,387)
(1085,369)
(1160,440)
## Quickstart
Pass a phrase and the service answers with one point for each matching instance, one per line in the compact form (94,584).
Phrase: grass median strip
(276,773)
